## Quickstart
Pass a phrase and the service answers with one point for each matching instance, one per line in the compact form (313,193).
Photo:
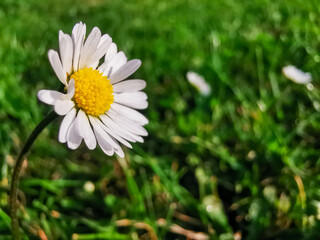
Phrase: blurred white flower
(89,187)
(262,106)
(199,83)
(296,75)
(98,105)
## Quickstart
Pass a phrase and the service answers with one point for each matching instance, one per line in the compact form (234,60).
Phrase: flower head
(199,83)
(98,103)
(296,75)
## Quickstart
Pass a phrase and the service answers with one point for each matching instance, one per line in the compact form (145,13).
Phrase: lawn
(240,163)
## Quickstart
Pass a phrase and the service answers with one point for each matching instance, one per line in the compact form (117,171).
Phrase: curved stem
(16,172)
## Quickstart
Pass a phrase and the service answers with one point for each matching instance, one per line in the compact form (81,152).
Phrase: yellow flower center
(93,92)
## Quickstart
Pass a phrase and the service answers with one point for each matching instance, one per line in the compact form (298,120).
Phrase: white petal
(120,130)
(78,35)
(61,35)
(129,86)
(119,151)
(103,133)
(128,124)
(113,134)
(104,144)
(71,90)
(57,67)
(85,130)
(112,51)
(62,107)
(99,53)
(135,100)
(125,71)
(89,47)
(49,96)
(65,125)
(130,113)
(104,37)
(117,61)
(73,137)
(66,51)
(107,143)
(103,67)
(93,65)
(138,94)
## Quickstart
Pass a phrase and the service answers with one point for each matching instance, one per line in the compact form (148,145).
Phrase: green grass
(243,160)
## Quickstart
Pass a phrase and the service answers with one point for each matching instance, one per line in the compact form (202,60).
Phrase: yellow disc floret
(93,92)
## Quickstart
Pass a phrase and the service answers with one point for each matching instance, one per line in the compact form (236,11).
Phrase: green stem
(16,172)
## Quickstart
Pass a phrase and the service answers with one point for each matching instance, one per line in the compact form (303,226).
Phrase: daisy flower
(98,104)
(296,75)
(199,83)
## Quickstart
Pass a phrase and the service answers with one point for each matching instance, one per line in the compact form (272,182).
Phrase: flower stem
(16,172)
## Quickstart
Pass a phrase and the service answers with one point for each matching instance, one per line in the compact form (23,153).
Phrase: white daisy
(296,75)
(98,104)
(199,83)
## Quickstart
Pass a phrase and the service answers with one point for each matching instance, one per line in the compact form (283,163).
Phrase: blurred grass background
(242,163)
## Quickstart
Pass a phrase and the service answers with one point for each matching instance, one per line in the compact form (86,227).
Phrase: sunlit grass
(244,160)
